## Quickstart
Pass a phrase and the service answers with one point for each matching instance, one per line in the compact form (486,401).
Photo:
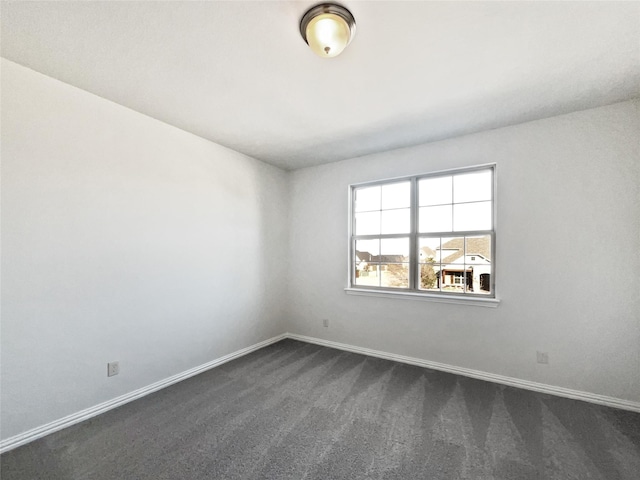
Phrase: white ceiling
(238,73)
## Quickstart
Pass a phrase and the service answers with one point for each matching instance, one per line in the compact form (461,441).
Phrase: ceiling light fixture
(327,28)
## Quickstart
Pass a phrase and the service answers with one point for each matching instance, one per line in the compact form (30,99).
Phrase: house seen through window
(430,233)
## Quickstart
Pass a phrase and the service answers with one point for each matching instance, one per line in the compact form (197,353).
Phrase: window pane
(366,250)
(452,272)
(429,256)
(368,223)
(453,278)
(478,279)
(429,250)
(434,191)
(396,221)
(435,219)
(472,187)
(394,275)
(396,195)
(429,277)
(478,250)
(453,269)
(368,275)
(483,282)
(452,251)
(472,216)
(394,250)
(367,199)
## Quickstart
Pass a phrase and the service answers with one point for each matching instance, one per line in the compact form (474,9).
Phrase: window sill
(425,297)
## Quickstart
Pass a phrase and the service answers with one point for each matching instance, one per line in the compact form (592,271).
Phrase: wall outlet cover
(113,368)
(542,357)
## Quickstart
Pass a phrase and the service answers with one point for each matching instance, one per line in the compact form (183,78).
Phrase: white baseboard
(38,432)
(490,377)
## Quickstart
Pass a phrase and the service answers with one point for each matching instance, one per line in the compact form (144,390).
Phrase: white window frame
(413,292)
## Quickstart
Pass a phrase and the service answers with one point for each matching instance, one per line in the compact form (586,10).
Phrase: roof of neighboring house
(367,257)
(364,256)
(389,258)
(428,252)
(475,245)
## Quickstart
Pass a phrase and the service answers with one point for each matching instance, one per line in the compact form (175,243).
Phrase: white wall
(125,239)
(568,256)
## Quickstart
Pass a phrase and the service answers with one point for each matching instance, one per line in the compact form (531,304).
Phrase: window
(427,234)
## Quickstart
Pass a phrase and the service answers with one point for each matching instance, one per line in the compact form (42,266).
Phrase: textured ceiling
(239,74)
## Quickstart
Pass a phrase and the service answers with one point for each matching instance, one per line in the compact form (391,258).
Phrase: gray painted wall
(568,237)
(124,239)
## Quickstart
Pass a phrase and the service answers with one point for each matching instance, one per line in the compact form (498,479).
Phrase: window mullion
(413,242)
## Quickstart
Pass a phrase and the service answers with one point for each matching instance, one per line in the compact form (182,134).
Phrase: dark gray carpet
(300,411)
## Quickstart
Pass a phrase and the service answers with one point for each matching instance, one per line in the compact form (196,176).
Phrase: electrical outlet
(113,368)
(542,357)
(325,322)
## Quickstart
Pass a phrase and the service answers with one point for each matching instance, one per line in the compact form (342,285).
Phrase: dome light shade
(327,29)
